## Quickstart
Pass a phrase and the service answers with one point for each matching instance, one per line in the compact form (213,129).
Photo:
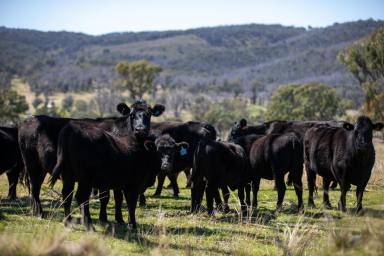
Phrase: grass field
(165,227)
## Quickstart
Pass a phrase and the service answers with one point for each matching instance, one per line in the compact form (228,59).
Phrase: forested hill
(197,58)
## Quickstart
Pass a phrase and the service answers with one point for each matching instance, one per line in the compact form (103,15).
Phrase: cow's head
(237,130)
(168,149)
(363,131)
(139,115)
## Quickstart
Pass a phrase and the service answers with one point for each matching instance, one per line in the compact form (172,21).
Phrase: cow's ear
(243,123)
(348,126)
(183,148)
(149,145)
(123,109)
(157,110)
(378,126)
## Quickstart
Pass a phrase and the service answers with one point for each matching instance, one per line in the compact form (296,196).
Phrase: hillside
(272,54)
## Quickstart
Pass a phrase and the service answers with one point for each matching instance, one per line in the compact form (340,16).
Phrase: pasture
(165,226)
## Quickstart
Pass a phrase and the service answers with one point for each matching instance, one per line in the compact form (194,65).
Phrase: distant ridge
(272,54)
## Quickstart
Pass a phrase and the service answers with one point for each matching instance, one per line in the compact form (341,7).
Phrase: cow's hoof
(359,211)
(120,222)
(300,209)
(103,222)
(176,195)
(342,209)
(90,228)
(132,226)
(279,208)
(311,204)
(327,206)
(11,197)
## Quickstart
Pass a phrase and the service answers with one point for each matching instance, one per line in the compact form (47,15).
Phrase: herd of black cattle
(126,154)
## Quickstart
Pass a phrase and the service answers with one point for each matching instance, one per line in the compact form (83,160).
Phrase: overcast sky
(99,17)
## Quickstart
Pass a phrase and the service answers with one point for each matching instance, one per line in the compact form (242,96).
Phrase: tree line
(307,101)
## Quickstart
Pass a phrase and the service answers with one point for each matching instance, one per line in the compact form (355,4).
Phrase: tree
(313,101)
(67,103)
(256,87)
(365,60)
(46,107)
(176,100)
(137,77)
(12,105)
(222,114)
(104,102)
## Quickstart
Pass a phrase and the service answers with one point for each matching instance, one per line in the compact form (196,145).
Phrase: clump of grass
(368,241)
(52,244)
(297,239)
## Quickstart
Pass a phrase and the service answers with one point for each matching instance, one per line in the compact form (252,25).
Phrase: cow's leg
(82,196)
(255,190)
(248,194)
(142,200)
(173,179)
(311,179)
(280,185)
(217,197)
(160,183)
(104,200)
(243,206)
(298,185)
(359,197)
(342,202)
(67,193)
(131,196)
(187,172)
(36,180)
(326,203)
(118,195)
(13,178)
(197,192)
(225,191)
(210,193)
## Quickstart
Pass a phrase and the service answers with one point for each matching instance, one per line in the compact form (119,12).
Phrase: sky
(99,17)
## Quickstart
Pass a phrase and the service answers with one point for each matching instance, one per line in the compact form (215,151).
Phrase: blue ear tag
(183,151)
(156,113)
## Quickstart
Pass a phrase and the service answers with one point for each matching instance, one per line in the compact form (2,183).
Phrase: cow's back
(38,136)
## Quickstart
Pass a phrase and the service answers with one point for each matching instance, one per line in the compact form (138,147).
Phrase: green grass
(165,226)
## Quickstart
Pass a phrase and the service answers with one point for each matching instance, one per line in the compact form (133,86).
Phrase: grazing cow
(216,165)
(345,155)
(10,158)
(116,159)
(271,157)
(190,132)
(242,129)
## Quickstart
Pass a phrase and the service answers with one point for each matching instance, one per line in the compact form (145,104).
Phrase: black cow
(242,129)
(38,137)
(271,157)
(216,165)
(168,150)
(345,155)
(116,159)
(190,132)
(10,158)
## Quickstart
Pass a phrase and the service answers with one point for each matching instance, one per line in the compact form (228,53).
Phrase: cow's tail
(61,149)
